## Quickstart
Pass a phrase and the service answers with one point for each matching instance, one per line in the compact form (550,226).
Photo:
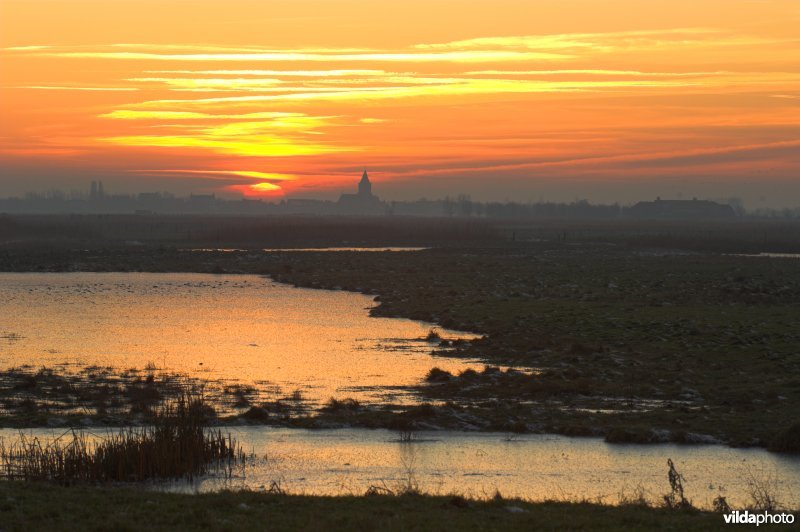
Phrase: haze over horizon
(503,100)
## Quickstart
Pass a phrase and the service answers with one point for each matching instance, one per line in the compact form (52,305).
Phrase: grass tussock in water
(71,395)
(341,405)
(177,444)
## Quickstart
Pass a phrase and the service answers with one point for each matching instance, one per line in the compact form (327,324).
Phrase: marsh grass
(663,339)
(762,489)
(66,395)
(433,336)
(635,497)
(675,499)
(341,405)
(438,375)
(407,435)
(786,440)
(178,444)
(409,484)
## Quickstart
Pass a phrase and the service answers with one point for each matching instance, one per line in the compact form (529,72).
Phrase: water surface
(244,328)
(537,467)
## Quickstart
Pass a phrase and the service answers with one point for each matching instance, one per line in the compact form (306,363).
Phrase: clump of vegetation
(407,435)
(143,394)
(762,491)
(241,394)
(787,440)
(256,413)
(676,499)
(408,422)
(405,426)
(64,395)
(409,485)
(433,336)
(438,375)
(341,405)
(720,505)
(637,497)
(177,444)
(374,491)
(468,374)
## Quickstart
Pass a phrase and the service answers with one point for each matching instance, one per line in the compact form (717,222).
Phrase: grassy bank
(44,507)
(633,345)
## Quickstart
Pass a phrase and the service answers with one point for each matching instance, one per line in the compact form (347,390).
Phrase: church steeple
(364,186)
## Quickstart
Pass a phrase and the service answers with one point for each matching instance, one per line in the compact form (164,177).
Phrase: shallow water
(349,461)
(479,464)
(248,328)
(243,328)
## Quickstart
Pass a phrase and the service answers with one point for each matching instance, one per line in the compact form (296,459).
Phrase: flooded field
(529,466)
(536,467)
(216,327)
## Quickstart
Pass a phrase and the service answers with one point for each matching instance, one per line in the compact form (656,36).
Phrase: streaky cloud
(467,87)
(279,73)
(594,72)
(130,114)
(71,88)
(479,56)
(230,173)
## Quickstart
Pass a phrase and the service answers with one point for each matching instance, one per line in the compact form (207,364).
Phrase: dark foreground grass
(45,507)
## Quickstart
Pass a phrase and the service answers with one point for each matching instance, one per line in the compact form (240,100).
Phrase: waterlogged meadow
(645,346)
(358,461)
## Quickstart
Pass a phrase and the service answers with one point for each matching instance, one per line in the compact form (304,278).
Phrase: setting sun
(533,95)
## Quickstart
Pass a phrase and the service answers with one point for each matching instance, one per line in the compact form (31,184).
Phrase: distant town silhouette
(366,203)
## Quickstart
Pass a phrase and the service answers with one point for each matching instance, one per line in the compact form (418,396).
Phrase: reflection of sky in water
(243,328)
(530,466)
(477,464)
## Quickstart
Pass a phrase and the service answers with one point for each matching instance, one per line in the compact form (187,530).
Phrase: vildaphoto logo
(758,518)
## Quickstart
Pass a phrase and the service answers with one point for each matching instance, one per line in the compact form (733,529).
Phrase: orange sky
(502,99)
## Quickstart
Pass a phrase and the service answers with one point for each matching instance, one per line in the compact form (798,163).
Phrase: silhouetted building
(681,209)
(363,202)
(202,202)
(308,206)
